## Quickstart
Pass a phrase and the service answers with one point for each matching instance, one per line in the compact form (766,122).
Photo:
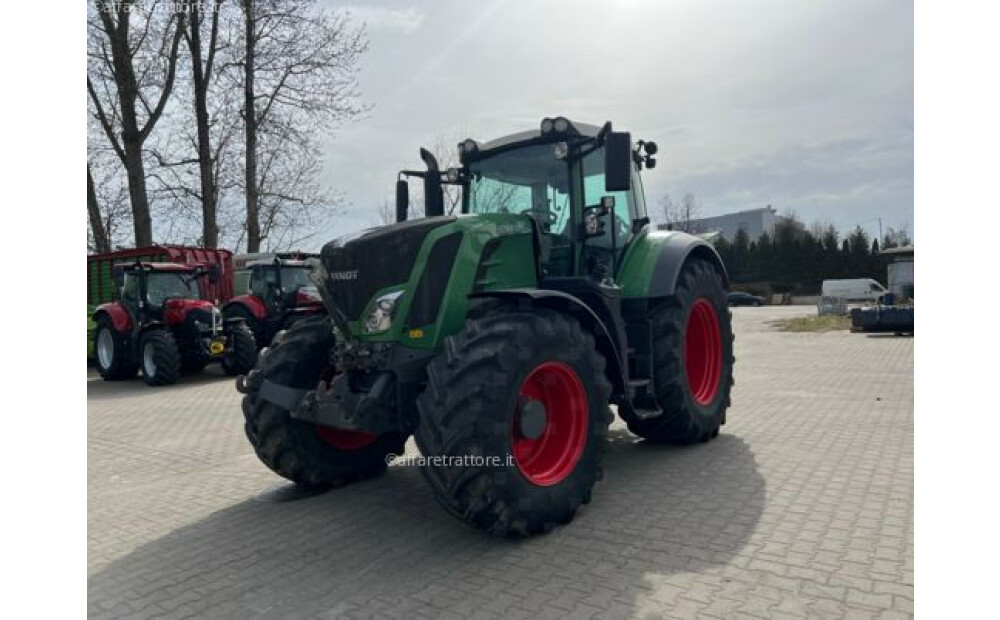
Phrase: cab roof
(583,129)
(282,262)
(157,266)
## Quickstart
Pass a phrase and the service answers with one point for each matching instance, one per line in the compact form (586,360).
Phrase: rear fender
(573,306)
(654,260)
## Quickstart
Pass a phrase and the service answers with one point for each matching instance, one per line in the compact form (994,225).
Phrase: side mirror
(402,200)
(213,273)
(618,161)
(593,222)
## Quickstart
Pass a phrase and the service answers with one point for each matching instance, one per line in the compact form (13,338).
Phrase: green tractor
(500,337)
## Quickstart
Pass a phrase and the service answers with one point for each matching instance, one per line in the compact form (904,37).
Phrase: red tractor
(275,294)
(161,323)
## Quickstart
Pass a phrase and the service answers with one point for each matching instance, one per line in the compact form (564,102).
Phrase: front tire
(239,311)
(693,360)
(160,357)
(111,352)
(514,420)
(307,454)
(242,353)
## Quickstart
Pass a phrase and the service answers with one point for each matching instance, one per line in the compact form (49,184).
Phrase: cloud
(404,20)
(803,105)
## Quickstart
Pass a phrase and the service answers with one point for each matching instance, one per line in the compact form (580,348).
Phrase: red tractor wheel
(514,420)
(304,453)
(692,359)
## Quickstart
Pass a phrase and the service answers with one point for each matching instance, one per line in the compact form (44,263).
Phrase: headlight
(379,317)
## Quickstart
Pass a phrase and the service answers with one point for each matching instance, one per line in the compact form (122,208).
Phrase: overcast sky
(804,105)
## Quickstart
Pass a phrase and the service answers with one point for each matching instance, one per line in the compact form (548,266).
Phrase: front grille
(434,280)
(198,315)
(373,261)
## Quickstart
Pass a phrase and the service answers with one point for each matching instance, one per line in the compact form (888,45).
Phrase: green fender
(654,259)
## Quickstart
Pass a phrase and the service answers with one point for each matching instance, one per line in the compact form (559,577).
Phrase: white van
(855,289)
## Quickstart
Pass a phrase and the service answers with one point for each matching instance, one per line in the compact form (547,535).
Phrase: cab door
(602,252)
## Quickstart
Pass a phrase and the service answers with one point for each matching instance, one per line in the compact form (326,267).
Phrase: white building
(755,222)
(900,271)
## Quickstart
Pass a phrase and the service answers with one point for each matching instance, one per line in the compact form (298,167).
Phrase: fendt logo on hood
(344,275)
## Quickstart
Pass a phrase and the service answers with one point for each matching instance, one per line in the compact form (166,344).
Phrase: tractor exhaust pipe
(433,195)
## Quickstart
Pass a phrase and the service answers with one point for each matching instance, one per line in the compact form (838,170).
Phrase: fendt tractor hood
(360,266)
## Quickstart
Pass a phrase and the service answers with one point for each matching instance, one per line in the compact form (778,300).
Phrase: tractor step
(646,414)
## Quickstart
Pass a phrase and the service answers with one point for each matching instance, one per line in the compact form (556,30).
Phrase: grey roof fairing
(585,130)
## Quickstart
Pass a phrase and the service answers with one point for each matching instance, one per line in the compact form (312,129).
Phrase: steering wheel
(550,217)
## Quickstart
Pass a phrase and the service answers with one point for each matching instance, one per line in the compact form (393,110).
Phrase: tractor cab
(282,283)
(273,294)
(578,183)
(163,291)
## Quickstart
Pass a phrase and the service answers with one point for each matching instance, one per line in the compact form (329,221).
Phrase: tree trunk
(250,116)
(101,242)
(132,135)
(201,77)
(132,139)
(136,174)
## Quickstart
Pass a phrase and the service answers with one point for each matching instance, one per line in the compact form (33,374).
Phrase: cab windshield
(173,285)
(295,277)
(529,180)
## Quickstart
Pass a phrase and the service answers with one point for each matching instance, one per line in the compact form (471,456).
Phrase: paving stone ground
(802,508)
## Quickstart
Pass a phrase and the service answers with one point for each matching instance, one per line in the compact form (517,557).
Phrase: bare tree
(680,215)
(298,75)
(99,235)
(194,152)
(202,56)
(690,209)
(668,208)
(291,202)
(896,237)
(385,211)
(108,210)
(130,75)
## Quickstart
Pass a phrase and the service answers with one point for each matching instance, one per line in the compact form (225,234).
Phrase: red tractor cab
(161,323)
(271,295)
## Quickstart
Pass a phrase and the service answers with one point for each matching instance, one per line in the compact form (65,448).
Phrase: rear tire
(692,381)
(160,357)
(474,408)
(111,352)
(304,453)
(242,356)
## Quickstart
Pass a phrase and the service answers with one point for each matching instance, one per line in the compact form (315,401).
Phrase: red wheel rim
(703,351)
(551,456)
(345,440)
